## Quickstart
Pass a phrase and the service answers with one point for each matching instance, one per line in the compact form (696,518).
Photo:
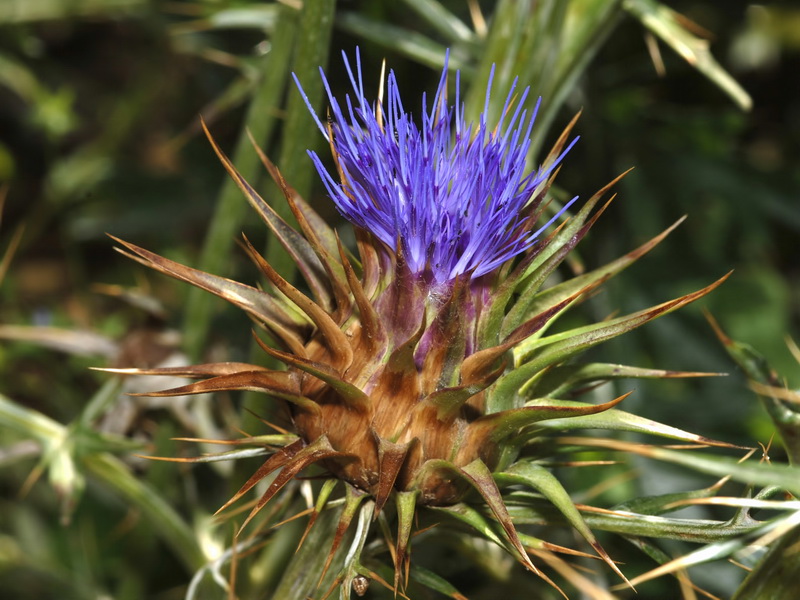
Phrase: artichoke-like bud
(419,366)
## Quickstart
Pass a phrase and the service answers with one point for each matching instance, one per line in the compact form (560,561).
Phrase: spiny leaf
(354,574)
(475,365)
(322,499)
(320,449)
(370,262)
(217,457)
(533,543)
(499,426)
(403,298)
(348,392)
(552,295)
(399,373)
(587,587)
(552,253)
(336,340)
(197,371)
(472,517)
(448,401)
(664,503)
(555,348)
(446,338)
(548,485)
(531,509)
(294,244)
(618,420)
(391,457)
(719,550)
(535,279)
(447,23)
(784,413)
(277,439)
(326,234)
(406,503)
(261,305)
(371,327)
(480,477)
(353,499)
(777,573)
(497,321)
(333,268)
(274,462)
(254,381)
(557,381)
(433,581)
(666,24)
(784,476)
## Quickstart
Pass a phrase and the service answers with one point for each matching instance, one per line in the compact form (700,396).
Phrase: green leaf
(664,503)
(547,44)
(547,484)
(469,515)
(618,420)
(784,413)
(557,381)
(407,42)
(265,17)
(569,287)
(24,11)
(556,348)
(665,23)
(528,508)
(724,549)
(67,459)
(432,581)
(776,575)
(786,477)
(28,422)
(299,579)
(449,25)
(504,424)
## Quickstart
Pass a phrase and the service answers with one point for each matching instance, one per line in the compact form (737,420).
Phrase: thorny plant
(425,369)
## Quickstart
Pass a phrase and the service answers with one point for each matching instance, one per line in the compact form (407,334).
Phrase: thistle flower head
(456,196)
(402,377)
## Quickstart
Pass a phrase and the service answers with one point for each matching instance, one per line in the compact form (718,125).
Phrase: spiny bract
(420,369)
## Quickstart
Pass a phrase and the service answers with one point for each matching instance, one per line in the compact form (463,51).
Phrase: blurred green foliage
(99,132)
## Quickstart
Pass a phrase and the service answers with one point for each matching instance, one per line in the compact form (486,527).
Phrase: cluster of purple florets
(452,194)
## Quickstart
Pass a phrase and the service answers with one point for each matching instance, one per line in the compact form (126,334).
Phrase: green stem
(169,525)
(301,133)
(231,207)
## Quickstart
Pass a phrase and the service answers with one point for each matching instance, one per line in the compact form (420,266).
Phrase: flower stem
(231,207)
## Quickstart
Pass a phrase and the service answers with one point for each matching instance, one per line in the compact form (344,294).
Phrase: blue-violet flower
(453,194)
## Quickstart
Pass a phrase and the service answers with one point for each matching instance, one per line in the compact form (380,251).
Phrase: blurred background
(100,103)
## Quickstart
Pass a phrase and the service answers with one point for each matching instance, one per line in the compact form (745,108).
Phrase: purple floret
(451,193)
